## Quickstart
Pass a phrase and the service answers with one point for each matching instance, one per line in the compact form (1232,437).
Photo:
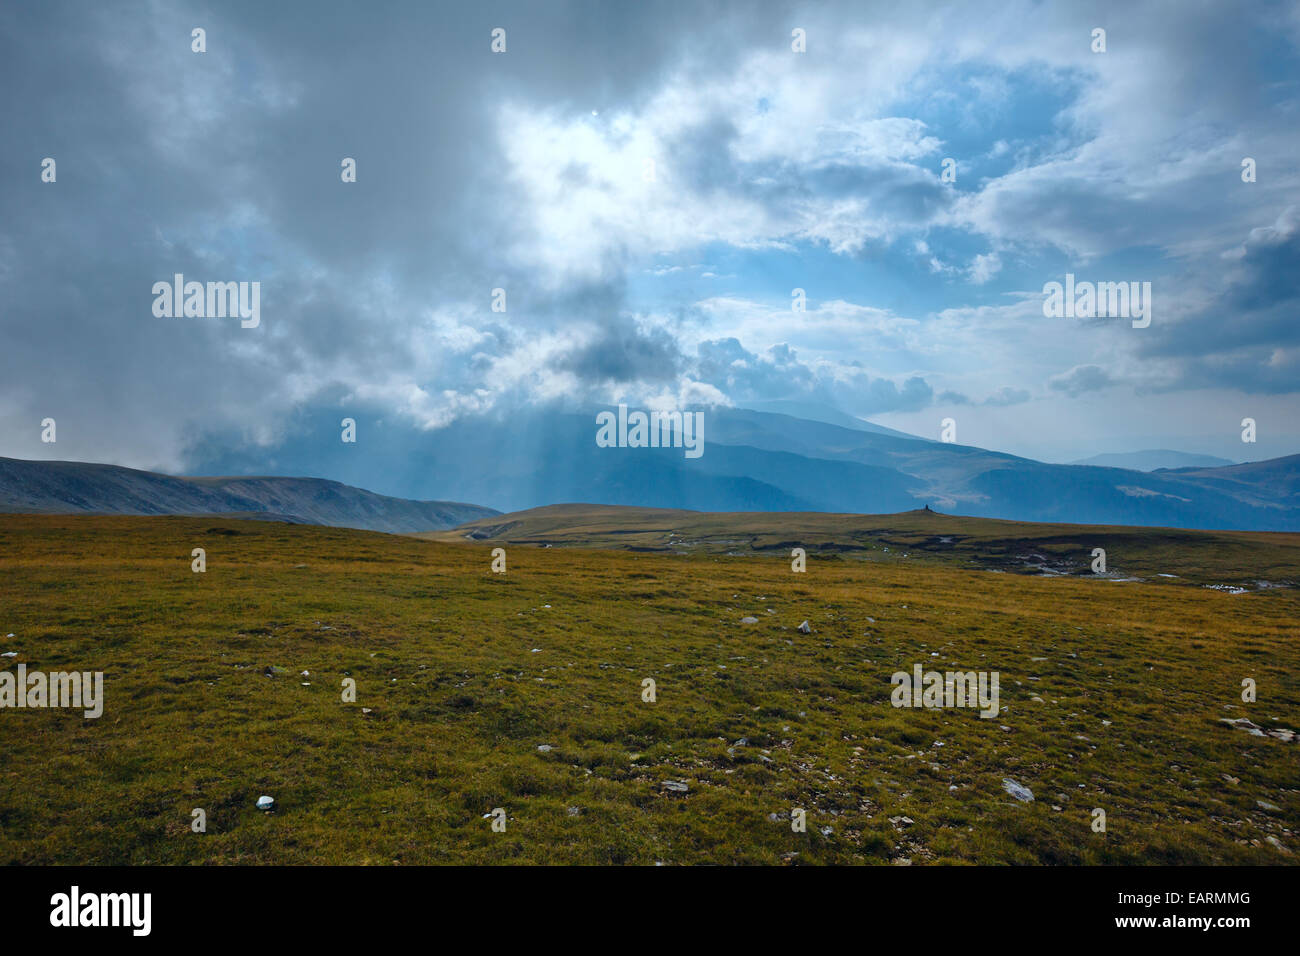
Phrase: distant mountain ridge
(763,461)
(1154,460)
(69,487)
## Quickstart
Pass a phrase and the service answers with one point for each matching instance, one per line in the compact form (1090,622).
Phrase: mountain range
(1154,459)
(42,487)
(753,460)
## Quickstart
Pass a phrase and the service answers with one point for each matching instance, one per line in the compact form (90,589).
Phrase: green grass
(442,651)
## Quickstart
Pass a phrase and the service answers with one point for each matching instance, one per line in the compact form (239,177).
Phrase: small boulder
(1019,791)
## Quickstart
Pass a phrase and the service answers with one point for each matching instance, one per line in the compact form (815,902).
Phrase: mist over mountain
(762,461)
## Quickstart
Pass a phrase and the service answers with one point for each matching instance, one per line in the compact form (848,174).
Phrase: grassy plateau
(523,691)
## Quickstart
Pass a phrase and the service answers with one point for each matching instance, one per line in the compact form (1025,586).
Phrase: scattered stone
(1243,723)
(805,628)
(901,821)
(1231,779)
(1269,807)
(9,654)
(266,803)
(749,620)
(675,786)
(545,748)
(573,811)
(1020,792)
(1276,844)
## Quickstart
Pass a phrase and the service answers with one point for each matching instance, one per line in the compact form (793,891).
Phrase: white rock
(1021,793)
(265,802)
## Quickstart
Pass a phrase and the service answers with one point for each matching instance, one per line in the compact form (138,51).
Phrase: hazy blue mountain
(61,487)
(1153,459)
(763,461)
(819,412)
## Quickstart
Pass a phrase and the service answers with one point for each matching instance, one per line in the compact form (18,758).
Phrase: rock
(1268,807)
(573,811)
(1276,844)
(675,786)
(1020,792)
(749,620)
(1243,723)
(266,803)
(805,628)
(901,821)
(9,654)
(544,748)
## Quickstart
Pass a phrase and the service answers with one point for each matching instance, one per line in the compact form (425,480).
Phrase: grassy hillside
(74,487)
(1248,559)
(1114,696)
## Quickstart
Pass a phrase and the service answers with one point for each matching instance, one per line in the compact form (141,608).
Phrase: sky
(649,184)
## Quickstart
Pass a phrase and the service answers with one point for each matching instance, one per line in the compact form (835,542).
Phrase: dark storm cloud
(1247,336)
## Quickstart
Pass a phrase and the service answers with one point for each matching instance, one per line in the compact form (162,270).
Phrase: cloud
(1082,379)
(766,164)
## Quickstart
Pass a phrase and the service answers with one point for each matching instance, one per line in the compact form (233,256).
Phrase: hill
(67,487)
(1237,559)
(1154,460)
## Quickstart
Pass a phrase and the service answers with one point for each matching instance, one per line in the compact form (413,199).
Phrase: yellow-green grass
(443,653)
(1216,557)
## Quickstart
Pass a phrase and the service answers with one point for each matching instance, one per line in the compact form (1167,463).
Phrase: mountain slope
(1153,459)
(62,487)
(763,461)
